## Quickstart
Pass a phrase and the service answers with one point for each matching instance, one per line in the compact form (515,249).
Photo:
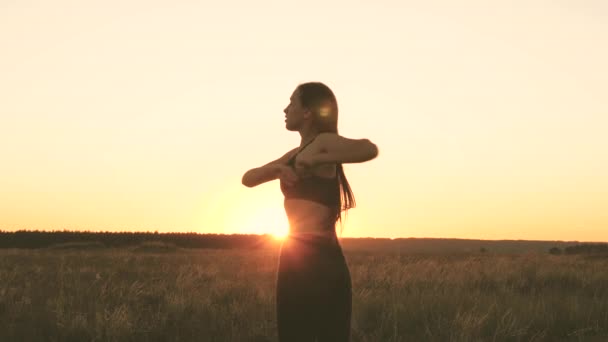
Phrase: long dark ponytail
(319,98)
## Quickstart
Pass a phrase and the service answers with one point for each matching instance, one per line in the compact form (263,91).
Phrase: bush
(555,251)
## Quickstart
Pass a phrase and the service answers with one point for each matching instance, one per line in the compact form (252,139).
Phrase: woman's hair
(318,98)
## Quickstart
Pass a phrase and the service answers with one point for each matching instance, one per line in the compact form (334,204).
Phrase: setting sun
(266,220)
(248,212)
(280,235)
(264,216)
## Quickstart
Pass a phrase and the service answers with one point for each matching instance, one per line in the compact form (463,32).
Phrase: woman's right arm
(271,171)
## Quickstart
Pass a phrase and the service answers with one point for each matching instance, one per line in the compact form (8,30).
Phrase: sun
(269,220)
(279,235)
(242,211)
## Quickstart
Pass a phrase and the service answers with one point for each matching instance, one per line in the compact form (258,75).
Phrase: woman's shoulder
(291,153)
(326,137)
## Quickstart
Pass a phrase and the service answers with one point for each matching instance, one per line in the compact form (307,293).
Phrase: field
(126,294)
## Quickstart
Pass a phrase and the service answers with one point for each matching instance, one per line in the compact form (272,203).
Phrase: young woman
(313,281)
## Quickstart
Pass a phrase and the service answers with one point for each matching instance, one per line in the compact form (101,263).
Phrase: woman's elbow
(372,150)
(246,180)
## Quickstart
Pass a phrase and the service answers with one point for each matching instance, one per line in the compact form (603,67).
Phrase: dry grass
(228,295)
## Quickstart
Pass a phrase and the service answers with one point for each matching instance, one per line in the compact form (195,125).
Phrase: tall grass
(228,295)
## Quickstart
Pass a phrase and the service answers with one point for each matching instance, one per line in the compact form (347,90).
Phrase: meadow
(175,294)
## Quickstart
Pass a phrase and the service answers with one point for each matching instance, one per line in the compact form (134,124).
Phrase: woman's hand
(286,174)
(306,161)
(268,172)
(305,164)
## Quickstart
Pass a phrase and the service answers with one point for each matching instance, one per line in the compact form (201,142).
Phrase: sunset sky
(491,117)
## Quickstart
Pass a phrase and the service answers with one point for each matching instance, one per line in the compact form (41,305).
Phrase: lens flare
(324,111)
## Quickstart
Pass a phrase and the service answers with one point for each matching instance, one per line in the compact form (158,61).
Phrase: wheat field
(172,294)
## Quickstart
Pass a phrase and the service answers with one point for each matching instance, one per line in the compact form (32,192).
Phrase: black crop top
(313,188)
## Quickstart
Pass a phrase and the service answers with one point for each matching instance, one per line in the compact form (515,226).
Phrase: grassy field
(228,295)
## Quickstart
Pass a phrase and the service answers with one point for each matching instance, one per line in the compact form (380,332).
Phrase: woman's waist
(306,215)
(320,230)
(312,240)
(312,234)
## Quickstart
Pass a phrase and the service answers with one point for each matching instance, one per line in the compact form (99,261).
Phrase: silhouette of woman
(313,298)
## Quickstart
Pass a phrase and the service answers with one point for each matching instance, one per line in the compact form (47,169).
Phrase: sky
(491,118)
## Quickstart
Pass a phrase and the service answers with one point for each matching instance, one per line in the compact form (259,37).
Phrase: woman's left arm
(338,149)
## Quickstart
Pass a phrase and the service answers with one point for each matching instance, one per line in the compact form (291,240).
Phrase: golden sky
(491,118)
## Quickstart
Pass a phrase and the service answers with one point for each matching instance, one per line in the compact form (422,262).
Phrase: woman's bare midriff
(308,217)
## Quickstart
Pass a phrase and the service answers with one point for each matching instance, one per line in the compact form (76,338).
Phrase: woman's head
(312,104)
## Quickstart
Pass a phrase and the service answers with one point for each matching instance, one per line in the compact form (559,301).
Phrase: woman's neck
(307,134)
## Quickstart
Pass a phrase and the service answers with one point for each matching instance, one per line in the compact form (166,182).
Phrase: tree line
(44,239)
(583,248)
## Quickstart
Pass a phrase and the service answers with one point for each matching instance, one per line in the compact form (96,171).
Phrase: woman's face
(295,114)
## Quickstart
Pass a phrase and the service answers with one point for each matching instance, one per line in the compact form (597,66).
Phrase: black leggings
(313,290)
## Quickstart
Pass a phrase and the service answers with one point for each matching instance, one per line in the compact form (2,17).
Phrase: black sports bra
(322,190)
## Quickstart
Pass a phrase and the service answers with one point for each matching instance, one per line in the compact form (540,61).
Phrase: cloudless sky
(491,117)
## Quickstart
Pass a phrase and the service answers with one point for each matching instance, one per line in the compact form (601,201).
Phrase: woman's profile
(313,289)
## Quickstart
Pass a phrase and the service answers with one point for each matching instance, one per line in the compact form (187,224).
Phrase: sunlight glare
(264,218)
(280,235)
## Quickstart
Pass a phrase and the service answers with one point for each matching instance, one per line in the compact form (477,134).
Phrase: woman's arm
(271,171)
(333,148)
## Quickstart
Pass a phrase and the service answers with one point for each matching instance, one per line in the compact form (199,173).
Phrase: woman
(313,281)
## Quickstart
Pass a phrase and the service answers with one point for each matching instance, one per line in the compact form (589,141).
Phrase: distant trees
(583,248)
(587,248)
(66,239)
